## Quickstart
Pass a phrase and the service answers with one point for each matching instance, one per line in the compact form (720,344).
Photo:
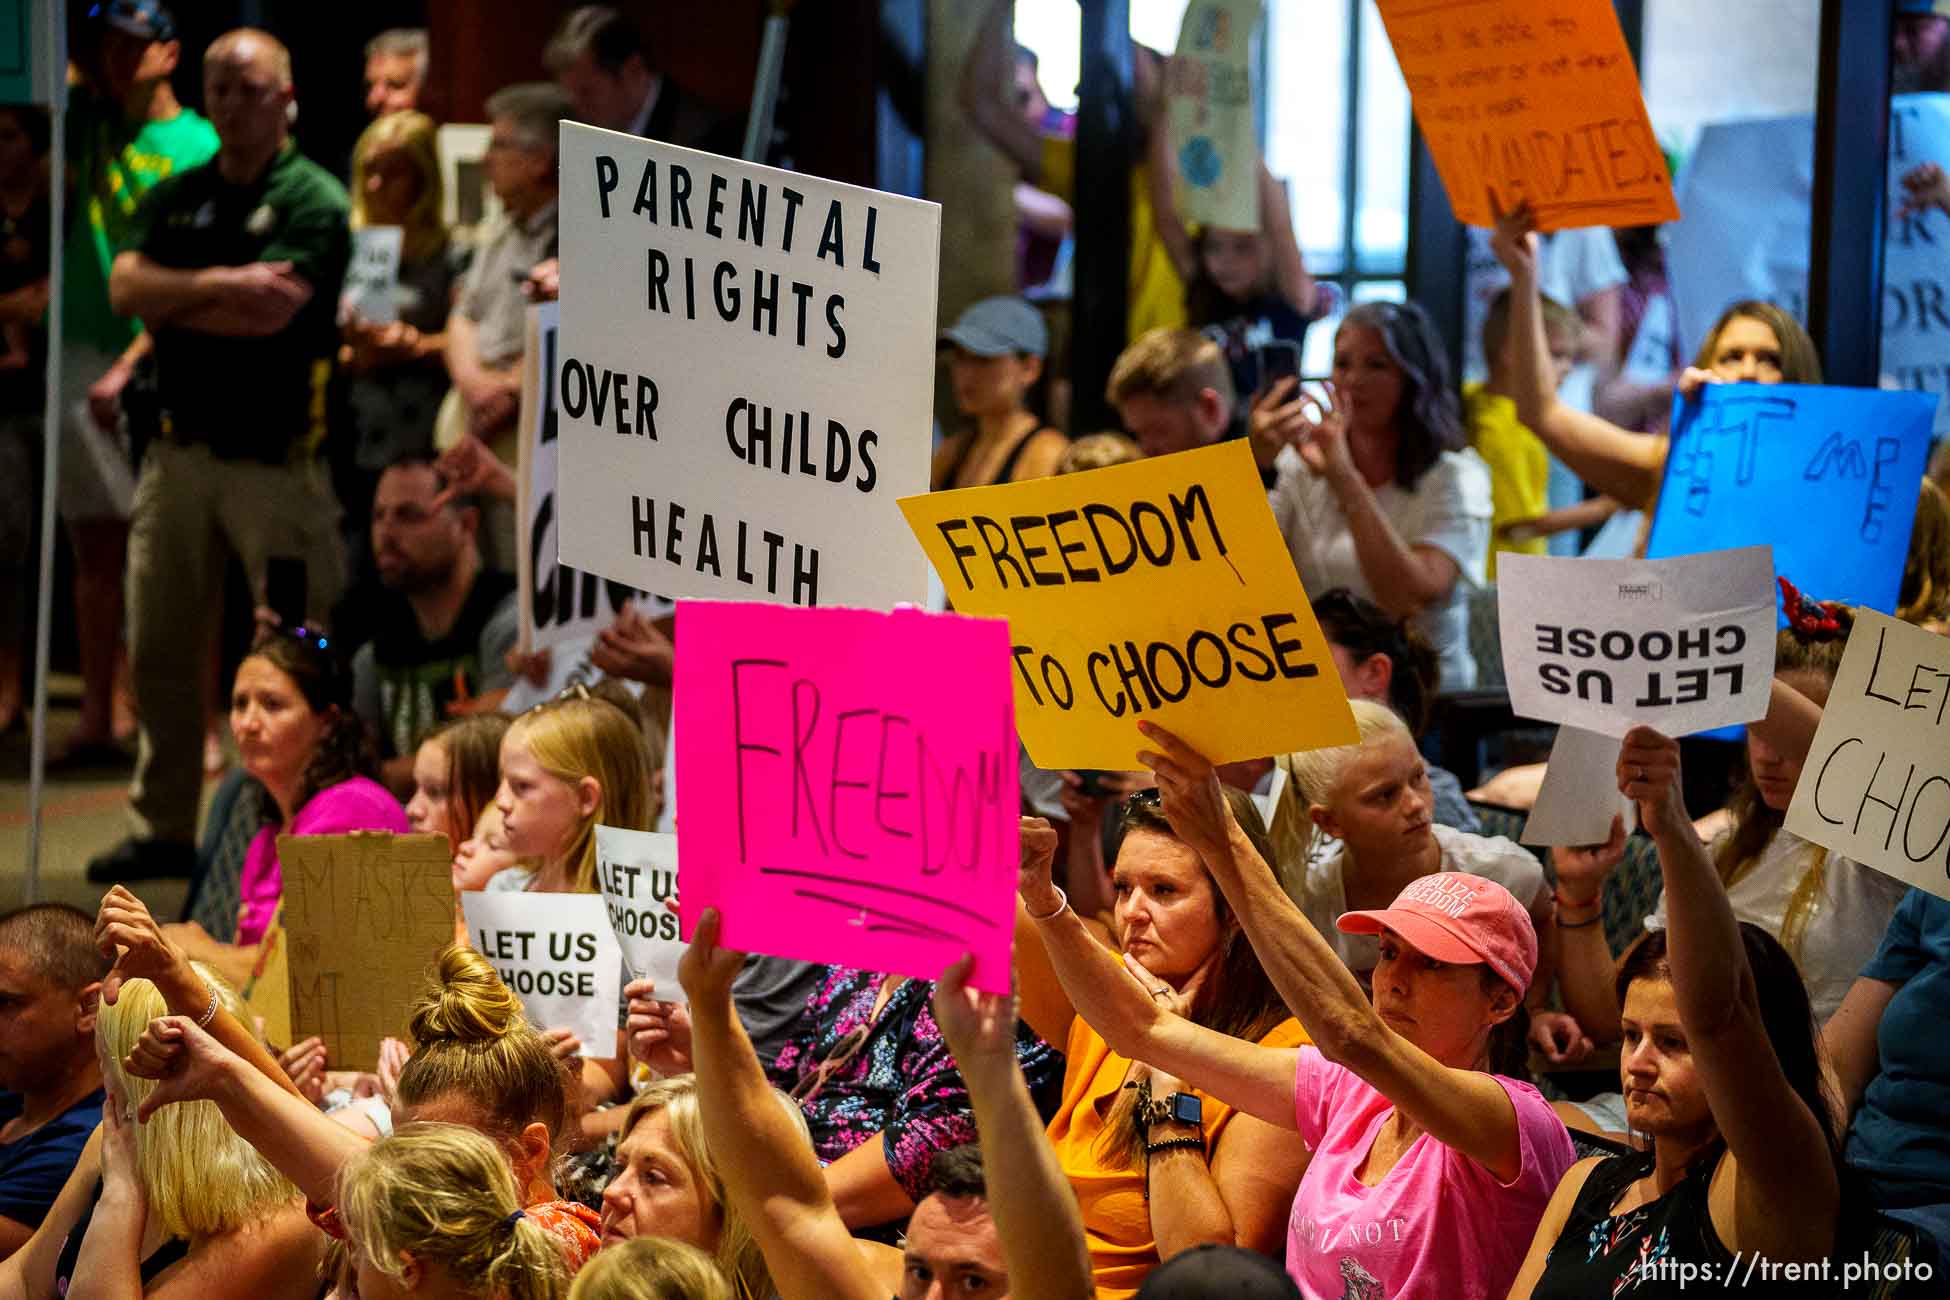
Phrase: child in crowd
(455,771)
(434,1207)
(1244,289)
(566,767)
(651,1268)
(1518,460)
(1098,451)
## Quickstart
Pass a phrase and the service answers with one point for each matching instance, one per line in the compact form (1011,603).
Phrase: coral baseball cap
(1462,919)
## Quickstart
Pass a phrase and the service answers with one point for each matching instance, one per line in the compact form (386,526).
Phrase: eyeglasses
(832,1063)
(1149,797)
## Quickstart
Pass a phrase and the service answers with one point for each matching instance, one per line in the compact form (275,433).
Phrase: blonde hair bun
(468,1003)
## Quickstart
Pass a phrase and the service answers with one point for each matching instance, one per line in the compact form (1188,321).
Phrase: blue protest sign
(1826,476)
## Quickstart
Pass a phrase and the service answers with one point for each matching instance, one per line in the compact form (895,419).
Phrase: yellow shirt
(1520,467)
(1116,1218)
(1156,296)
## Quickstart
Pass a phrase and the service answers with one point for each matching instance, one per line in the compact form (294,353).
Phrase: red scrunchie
(1808,617)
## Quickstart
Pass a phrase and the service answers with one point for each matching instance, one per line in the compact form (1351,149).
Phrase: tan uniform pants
(191,508)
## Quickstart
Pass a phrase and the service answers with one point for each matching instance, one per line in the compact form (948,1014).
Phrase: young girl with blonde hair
(566,767)
(651,1268)
(434,1209)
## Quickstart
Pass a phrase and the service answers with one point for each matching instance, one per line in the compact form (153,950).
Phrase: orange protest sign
(1532,99)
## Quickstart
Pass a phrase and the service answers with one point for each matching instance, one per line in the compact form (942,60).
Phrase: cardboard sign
(557,953)
(558,604)
(372,277)
(1209,114)
(1159,590)
(854,799)
(1536,100)
(1681,644)
(365,917)
(1579,796)
(1876,784)
(1826,476)
(746,376)
(1748,189)
(267,993)
(637,874)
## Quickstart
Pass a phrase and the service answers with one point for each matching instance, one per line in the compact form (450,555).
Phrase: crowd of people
(1302,1025)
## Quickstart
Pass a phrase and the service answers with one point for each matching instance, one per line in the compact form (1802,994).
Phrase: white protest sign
(1209,114)
(1916,256)
(558,605)
(746,376)
(372,276)
(1579,796)
(1746,201)
(637,873)
(1681,644)
(557,953)
(1876,783)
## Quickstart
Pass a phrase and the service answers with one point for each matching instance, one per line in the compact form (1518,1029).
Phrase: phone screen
(284,588)
(1277,361)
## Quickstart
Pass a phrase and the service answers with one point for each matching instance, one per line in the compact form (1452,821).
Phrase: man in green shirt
(236,266)
(126,132)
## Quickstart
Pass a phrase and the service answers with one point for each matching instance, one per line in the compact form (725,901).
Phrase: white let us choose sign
(556,952)
(745,378)
(1681,644)
(637,873)
(1876,784)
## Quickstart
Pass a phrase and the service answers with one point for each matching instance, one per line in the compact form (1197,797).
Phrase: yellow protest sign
(1159,591)
(1532,99)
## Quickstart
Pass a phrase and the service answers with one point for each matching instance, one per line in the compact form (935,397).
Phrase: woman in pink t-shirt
(291,712)
(1428,1172)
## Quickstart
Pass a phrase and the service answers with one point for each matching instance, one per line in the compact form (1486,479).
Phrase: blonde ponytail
(445,1193)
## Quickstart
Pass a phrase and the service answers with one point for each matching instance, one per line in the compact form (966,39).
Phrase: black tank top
(1640,1255)
(1006,474)
(159,1259)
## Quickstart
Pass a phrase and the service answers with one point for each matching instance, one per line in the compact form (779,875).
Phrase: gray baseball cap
(995,326)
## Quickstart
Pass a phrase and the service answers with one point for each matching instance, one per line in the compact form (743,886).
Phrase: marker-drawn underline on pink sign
(915,894)
(894,922)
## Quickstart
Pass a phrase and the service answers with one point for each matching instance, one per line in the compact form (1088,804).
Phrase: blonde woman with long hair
(476,1061)
(668,1184)
(393,355)
(433,1210)
(175,1208)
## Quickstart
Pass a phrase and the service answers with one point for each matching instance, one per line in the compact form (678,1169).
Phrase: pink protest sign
(847,785)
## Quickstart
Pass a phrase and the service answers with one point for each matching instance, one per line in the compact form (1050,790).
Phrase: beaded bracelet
(1174,1144)
(209,1012)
